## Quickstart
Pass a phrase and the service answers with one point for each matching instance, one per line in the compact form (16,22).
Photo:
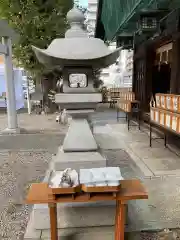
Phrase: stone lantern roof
(76,49)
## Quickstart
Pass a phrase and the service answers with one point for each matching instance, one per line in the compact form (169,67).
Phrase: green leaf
(37,22)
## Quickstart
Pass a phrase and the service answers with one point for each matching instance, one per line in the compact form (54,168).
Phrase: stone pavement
(157,167)
(35,123)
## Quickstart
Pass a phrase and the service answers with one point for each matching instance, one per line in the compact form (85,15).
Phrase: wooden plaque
(169,102)
(174,125)
(168,120)
(162,118)
(157,97)
(157,119)
(175,103)
(163,101)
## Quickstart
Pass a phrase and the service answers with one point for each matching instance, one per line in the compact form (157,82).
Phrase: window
(77,80)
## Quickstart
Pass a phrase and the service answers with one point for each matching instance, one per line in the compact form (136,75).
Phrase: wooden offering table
(40,193)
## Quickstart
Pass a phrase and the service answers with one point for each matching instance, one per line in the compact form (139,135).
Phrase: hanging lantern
(148,22)
(125,41)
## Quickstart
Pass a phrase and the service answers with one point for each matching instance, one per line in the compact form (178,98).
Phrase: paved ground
(157,167)
(24,159)
(35,123)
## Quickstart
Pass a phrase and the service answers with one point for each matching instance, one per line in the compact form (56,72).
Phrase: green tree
(37,22)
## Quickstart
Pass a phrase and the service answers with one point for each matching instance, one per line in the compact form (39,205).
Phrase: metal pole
(10,86)
(28,96)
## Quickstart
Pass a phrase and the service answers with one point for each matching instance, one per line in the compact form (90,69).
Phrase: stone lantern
(77,56)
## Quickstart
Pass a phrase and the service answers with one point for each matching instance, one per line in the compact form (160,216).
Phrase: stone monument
(78,57)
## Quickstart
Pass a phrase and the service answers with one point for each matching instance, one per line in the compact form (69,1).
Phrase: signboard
(18,88)
(78,80)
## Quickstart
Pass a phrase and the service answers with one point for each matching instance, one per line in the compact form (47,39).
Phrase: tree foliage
(37,22)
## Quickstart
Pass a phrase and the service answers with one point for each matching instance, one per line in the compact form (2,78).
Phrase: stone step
(79,137)
(73,215)
(78,160)
(92,233)
(103,232)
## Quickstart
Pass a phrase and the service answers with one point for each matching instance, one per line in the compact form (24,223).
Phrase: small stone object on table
(64,179)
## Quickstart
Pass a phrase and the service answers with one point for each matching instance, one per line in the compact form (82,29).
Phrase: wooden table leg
(53,220)
(120,220)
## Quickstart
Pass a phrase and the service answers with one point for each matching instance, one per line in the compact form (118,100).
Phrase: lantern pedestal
(79,137)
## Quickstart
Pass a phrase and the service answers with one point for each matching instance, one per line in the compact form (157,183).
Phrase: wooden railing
(120,93)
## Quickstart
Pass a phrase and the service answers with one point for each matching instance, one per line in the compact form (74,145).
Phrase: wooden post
(120,220)
(175,72)
(53,220)
(150,59)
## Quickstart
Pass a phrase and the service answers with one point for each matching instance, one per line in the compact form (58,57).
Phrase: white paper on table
(98,175)
(85,176)
(112,173)
(113,183)
(110,176)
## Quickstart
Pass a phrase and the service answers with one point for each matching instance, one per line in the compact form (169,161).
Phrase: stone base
(87,233)
(100,233)
(77,160)
(79,137)
(75,215)
(80,114)
(9,131)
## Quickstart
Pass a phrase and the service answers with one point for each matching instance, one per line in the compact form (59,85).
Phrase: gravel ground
(23,160)
(17,171)
(35,123)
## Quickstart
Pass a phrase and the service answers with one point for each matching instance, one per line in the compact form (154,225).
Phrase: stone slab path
(157,167)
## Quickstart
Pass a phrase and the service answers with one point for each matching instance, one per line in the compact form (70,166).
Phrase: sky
(84,3)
